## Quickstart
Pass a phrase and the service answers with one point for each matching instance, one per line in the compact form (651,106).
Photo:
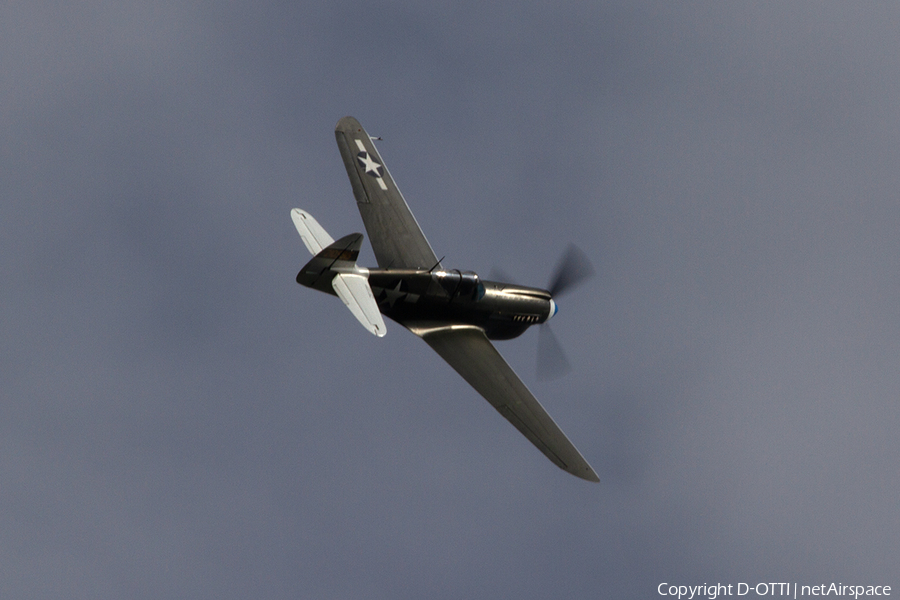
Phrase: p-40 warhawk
(456,313)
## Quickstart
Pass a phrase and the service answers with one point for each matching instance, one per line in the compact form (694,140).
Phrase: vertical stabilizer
(333,269)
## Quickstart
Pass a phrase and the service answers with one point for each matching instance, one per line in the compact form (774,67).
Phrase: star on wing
(371,166)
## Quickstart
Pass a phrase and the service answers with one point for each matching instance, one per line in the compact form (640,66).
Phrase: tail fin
(333,269)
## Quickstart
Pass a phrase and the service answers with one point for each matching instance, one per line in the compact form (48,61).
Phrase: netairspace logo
(713,591)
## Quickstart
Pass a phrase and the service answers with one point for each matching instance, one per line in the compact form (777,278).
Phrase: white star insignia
(393,295)
(372,167)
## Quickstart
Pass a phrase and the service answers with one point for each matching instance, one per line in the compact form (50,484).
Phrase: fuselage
(416,298)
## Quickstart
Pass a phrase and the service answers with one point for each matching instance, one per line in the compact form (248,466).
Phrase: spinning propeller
(573,268)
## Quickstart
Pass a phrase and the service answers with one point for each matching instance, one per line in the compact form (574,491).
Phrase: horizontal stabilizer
(313,235)
(338,257)
(356,293)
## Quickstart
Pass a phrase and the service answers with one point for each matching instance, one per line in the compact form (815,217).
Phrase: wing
(396,238)
(472,355)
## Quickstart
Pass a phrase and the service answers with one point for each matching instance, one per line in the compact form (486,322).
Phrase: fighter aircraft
(456,313)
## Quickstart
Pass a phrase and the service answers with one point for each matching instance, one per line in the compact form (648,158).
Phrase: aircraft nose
(553,309)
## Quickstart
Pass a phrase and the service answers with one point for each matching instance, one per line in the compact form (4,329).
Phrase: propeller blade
(573,268)
(552,361)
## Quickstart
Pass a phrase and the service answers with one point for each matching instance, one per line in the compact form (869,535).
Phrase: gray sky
(179,419)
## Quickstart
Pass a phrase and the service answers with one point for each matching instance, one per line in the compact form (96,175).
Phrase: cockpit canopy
(462,285)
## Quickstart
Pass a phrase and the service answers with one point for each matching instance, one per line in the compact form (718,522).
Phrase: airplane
(456,312)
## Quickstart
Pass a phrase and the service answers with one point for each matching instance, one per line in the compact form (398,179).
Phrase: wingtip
(586,472)
(347,124)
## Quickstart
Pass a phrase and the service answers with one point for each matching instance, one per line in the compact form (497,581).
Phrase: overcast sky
(180,419)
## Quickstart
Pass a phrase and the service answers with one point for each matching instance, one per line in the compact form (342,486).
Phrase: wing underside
(396,238)
(468,350)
